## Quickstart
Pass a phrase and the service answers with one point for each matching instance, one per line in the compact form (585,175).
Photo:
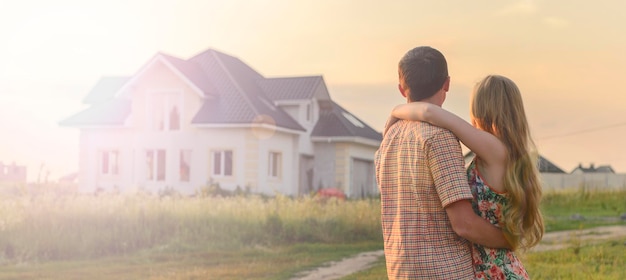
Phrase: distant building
(180,123)
(12,173)
(545,166)
(592,169)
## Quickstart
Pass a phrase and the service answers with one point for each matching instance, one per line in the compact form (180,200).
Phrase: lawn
(582,209)
(251,263)
(140,236)
(566,211)
(600,261)
(48,236)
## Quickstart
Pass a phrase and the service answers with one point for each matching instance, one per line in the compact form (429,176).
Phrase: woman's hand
(390,121)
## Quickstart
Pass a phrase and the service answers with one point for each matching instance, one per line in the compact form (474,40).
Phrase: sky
(567,58)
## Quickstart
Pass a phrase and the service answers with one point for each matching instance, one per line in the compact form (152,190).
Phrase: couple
(440,221)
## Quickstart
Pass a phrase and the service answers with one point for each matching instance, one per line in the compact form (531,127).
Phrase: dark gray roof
(545,166)
(110,112)
(292,88)
(239,98)
(605,169)
(105,89)
(193,72)
(593,169)
(334,121)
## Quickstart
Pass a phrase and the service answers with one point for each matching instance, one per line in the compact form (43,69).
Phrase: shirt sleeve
(445,160)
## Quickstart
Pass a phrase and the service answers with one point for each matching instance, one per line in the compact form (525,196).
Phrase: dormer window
(165,111)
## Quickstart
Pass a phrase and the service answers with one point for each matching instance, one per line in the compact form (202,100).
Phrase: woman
(503,176)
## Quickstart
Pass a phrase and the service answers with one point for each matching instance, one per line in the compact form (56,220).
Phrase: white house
(180,123)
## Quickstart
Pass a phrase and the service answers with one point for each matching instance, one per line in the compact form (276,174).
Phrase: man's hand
(473,227)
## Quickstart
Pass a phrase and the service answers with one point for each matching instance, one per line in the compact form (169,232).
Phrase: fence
(600,181)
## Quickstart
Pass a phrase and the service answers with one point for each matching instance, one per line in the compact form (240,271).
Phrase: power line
(582,131)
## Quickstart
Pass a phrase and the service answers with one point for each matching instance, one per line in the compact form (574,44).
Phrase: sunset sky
(567,57)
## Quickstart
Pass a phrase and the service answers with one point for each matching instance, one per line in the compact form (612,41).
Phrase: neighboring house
(544,165)
(182,123)
(592,169)
(12,173)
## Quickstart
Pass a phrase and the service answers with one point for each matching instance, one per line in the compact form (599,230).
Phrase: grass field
(278,262)
(582,209)
(600,261)
(566,211)
(48,236)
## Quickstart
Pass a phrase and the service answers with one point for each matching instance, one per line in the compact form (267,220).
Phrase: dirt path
(345,267)
(563,239)
(550,241)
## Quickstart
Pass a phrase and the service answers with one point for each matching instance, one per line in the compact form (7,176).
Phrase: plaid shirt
(420,170)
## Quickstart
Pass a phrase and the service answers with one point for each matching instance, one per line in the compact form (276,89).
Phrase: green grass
(601,261)
(252,263)
(48,236)
(591,203)
(598,208)
(49,228)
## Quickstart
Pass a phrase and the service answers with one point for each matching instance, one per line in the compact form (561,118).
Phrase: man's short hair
(424,71)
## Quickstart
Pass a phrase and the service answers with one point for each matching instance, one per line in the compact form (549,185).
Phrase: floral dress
(491,263)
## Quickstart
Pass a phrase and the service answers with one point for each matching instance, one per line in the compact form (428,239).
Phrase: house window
(109,162)
(165,110)
(274,165)
(184,165)
(222,163)
(155,165)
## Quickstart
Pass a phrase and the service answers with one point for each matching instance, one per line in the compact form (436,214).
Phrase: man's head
(423,74)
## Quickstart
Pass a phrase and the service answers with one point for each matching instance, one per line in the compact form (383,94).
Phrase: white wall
(92,141)
(287,145)
(133,145)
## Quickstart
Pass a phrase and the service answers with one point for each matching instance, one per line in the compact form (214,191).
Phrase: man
(427,217)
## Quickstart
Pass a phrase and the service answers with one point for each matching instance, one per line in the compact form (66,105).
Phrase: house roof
(545,166)
(593,169)
(232,93)
(239,98)
(605,169)
(335,121)
(193,72)
(291,88)
(105,89)
(110,112)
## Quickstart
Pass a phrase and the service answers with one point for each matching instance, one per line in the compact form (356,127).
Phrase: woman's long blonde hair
(497,108)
